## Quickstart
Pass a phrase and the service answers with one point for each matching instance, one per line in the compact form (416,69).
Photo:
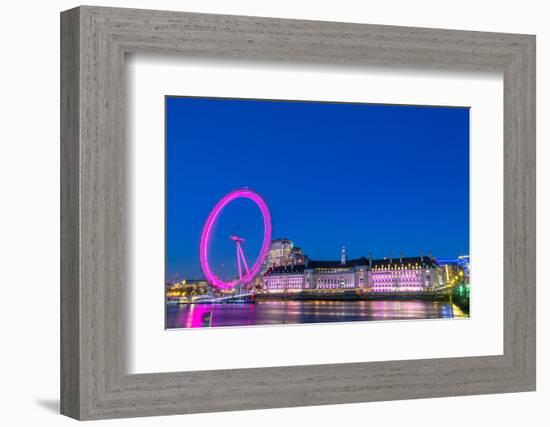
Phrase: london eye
(245,274)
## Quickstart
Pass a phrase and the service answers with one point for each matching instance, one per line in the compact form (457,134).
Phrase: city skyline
(337,256)
(379,179)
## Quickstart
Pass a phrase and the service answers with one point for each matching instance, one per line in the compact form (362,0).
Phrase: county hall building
(403,274)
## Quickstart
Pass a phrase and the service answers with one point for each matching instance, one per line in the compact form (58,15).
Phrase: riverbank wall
(353,296)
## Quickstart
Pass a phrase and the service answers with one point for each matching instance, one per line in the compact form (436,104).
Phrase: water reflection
(290,312)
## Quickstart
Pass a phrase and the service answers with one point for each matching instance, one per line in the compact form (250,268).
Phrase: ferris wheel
(246,274)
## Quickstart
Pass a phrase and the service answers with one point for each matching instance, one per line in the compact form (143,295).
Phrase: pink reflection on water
(399,309)
(198,316)
(295,312)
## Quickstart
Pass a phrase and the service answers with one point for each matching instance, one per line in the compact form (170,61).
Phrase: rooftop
(382,262)
(286,269)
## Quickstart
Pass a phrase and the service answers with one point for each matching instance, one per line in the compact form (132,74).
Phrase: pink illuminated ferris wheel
(249,273)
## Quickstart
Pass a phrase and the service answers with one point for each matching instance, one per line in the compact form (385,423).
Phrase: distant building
(333,275)
(279,253)
(283,279)
(297,257)
(282,252)
(464,263)
(185,288)
(455,269)
(412,274)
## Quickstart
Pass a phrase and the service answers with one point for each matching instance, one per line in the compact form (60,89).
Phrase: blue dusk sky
(380,179)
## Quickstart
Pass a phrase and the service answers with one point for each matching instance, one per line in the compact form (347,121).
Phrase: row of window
(350,286)
(386,274)
(334,281)
(397,285)
(281,286)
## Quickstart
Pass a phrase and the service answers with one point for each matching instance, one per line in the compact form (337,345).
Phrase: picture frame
(94,268)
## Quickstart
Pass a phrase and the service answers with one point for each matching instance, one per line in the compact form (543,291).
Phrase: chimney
(370,259)
(421,256)
(401,258)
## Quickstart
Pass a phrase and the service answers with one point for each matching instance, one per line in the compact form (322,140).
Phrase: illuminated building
(282,252)
(283,279)
(464,263)
(187,288)
(297,257)
(455,270)
(336,275)
(279,253)
(412,274)
(452,275)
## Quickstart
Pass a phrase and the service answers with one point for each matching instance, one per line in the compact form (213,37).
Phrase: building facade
(283,280)
(464,263)
(455,270)
(282,252)
(335,275)
(412,274)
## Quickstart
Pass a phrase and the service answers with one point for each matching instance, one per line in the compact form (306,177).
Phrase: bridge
(209,299)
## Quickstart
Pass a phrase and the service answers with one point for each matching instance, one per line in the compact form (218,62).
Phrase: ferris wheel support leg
(239,261)
(244,259)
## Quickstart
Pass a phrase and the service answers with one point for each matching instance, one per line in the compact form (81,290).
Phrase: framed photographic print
(226,267)
(356,201)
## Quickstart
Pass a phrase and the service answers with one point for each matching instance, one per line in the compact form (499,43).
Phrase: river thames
(296,312)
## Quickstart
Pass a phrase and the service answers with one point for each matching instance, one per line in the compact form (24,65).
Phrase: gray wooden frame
(94,382)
